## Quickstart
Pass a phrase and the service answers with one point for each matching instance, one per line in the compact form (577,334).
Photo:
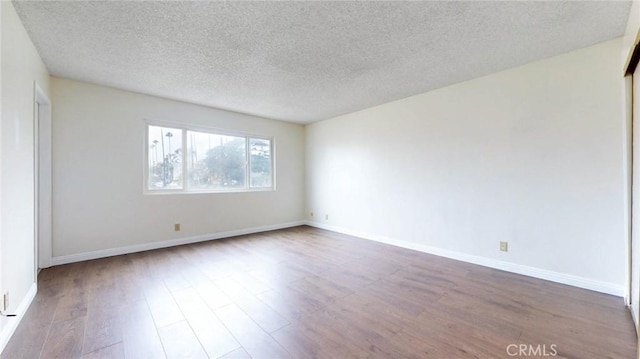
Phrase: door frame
(631,63)
(42,179)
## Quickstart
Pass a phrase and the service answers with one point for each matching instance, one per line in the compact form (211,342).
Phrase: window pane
(260,175)
(215,161)
(165,158)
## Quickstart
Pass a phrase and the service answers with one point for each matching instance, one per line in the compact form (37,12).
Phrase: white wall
(531,155)
(21,66)
(98,200)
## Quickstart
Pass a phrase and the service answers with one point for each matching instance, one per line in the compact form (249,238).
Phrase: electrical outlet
(5,302)
(176,227)
(504,246)
(326,217)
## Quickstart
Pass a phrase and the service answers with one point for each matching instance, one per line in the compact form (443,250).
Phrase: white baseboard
(11,323)
(553,276)
(79,257)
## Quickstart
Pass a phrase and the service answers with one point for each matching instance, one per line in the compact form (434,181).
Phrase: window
(181,159)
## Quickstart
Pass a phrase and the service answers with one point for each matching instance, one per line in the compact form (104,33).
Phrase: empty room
(319,179)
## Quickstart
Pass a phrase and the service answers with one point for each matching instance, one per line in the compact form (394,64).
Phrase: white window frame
(211,130)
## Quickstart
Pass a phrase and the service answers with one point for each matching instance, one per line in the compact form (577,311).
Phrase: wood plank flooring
(309,293)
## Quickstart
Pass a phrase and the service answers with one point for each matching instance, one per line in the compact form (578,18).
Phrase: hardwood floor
(307,293)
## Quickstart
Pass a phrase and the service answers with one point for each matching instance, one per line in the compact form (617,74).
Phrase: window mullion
(272,164)
(147,156)
(247,163)
(184,160)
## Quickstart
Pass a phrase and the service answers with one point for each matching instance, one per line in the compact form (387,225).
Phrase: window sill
(179,191)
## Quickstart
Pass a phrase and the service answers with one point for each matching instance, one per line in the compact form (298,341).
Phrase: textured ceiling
(305,61)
